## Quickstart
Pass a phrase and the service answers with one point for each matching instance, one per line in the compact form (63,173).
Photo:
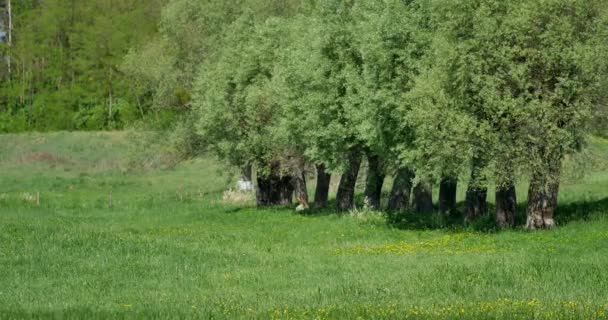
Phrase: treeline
(62,68)
(434,92)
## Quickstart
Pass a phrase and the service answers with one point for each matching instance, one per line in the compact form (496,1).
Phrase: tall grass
(171,246)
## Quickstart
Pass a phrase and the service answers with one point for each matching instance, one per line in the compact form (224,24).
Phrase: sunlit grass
(447,244)
(171,246)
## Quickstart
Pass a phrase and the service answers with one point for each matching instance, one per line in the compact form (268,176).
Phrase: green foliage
(194,36)
(432,85)
(236,102)
(438,87)
(64,63)
(167,67)
(495,90)
(316,120)
(391,38)
(512,83)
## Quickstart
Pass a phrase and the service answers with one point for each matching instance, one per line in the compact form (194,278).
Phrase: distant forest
(107,64)
(62,66)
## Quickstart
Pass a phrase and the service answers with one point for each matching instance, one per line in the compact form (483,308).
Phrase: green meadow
(84,235)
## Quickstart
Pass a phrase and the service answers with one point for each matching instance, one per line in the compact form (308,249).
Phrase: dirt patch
(108,165)
(46,157)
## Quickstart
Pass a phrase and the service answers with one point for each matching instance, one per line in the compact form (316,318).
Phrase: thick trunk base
(447,195)
(374,183)
(506,206)
(301,192)
(247,174)
(322,189)
(274,190)
(345,198)
(401,191)
(476,203)
(543,194)
(246,181)
(423,197)
(542,202)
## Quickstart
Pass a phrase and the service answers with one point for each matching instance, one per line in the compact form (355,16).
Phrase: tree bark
(401,191)
(476,204)
(322,190)
(447,194)
(299,184)
(542,197)
(506,205)
(285,191)
(374,183)
(274,189)
(423,197)
(345,198)
(246,181)
(246,174)
(264,191)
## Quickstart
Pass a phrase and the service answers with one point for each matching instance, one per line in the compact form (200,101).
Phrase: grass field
(82,237)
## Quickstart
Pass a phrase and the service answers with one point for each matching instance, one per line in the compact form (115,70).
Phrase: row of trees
(433,92)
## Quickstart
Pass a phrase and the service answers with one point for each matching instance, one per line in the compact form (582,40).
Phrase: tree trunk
(447,194)
(345,199)
(285,191)
(322,191)
(71,47)
(9,42)
(506,205)
(245,183)
(246,174)
(423,197)
(476,202)
(542,197)
(299,184)
(401,191)
(9,12)
(374,183)
(264,191)
(274,189)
